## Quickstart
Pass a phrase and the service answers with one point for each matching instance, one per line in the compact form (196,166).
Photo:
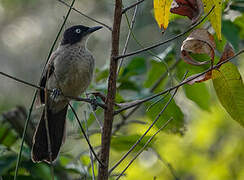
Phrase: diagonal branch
(138,102)
(144,147)
(84,134)
(145,133)
(88,17)
(133,20)
(168,40)
(131,6)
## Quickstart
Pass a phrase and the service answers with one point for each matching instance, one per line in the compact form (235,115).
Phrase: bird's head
(78,33)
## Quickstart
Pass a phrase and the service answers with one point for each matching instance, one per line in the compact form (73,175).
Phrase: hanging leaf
(215,16)
(193,9)
(200,41)
(229,88)
(161,12)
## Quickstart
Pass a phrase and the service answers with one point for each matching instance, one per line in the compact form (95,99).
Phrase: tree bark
(108,113)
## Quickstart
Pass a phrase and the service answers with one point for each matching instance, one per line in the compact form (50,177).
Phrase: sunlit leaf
(229,88)
(216,16)
(161,12)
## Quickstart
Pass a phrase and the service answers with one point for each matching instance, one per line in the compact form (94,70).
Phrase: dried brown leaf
(193,9)
(200,41)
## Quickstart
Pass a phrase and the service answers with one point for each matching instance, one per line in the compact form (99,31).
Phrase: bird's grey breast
(73,70)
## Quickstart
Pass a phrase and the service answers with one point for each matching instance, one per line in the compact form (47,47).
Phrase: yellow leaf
(161,12)
(215,16)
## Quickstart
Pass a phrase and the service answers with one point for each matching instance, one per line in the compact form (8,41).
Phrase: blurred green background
(202,141)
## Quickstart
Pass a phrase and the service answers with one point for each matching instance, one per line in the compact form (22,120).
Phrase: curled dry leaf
(193,9)
(228,53)
(200,41)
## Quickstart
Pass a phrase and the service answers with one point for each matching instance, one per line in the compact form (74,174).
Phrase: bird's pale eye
(78,31)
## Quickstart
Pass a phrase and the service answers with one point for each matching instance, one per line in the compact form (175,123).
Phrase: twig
(23,137)
(161,78)
(91,156)
(88,17)
(169,166)
(167,41)
(132,5)
(35,94)
(49,90)
(109,111)
(139,140)
(144,147)
(177,86)
(84,134)
(128,37)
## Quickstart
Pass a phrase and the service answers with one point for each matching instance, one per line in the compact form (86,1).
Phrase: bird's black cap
(74,34)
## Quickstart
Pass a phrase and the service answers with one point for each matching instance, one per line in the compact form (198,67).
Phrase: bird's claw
(55,93)
(94,104)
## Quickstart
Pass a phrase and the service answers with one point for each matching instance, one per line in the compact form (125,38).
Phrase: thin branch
(177,86)
(163,76)
(90,101)
(90,153)
(23,137)
(144,147)
(169,166)
(35,94)
(84,134)
(88,17)
(139,140)
(132,5)
(133,20)
(167,41)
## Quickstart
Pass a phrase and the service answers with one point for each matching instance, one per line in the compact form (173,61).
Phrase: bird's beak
(93,29)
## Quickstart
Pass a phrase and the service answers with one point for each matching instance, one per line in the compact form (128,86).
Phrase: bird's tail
(56,126)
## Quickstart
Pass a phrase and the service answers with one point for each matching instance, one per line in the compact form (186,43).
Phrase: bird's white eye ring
(78,31)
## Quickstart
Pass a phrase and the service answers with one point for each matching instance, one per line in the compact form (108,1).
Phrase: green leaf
(129,85)
(136,66)
(156,70)
(173,110)
(198,93)
(124,143)
(71,115)
(7,162)
(228,29)
(239,21)
(229,88)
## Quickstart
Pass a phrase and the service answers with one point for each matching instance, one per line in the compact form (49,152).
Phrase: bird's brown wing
(47,73)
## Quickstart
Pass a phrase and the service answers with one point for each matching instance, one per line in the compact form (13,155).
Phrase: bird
(68,72)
